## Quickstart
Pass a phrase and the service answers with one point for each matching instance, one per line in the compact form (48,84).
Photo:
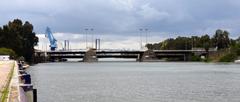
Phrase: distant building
(4,57)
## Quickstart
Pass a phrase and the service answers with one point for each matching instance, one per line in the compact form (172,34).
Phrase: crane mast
(52,40)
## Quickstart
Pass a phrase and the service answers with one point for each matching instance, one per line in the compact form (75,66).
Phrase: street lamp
(144,31)
(92,36)
(86,30)
(140,37)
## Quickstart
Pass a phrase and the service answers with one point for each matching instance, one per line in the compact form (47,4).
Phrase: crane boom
(52,40)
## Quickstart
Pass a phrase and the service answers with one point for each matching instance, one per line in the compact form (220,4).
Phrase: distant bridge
(136,54)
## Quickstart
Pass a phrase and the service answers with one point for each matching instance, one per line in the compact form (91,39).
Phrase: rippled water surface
(136,82)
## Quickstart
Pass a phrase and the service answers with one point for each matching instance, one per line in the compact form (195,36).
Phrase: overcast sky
(122,19)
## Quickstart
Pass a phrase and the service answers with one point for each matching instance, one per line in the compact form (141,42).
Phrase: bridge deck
(100,51)
(123,53)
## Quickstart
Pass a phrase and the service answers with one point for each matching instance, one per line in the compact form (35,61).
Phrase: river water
(136,82)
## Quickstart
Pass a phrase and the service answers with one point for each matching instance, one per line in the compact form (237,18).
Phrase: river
(136,82)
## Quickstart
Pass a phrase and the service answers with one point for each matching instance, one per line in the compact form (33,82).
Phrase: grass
(6,88)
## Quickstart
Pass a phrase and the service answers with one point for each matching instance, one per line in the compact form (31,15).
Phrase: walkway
(5,69)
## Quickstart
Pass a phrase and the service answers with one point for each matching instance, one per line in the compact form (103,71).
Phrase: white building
(4,57)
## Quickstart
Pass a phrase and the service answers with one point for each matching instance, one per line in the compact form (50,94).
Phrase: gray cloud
(125,17)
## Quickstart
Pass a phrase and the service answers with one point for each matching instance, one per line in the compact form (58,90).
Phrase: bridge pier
(90,56)
(147,56)
(139,58)
(187,57)
(40,57)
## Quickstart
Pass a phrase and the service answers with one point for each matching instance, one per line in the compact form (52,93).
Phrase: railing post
(34,95)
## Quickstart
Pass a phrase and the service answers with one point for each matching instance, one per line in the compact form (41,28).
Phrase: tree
(206,42)
(29,40)
(221,39)
(19,37)
(194,41)
(238,40)
(5,51)
(237,46)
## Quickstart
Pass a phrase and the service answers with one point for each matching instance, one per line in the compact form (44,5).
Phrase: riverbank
(6,73)
(15,83)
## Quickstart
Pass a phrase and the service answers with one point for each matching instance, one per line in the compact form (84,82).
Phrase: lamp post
(92,36)
(146,31)
(143,31)
(140,35)
(86,30)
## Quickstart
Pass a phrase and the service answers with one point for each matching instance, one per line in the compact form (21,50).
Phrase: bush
(6,51)
(195,58)
(238,50)
(228,57)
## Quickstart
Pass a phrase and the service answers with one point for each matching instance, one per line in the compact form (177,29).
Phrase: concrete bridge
(149,55)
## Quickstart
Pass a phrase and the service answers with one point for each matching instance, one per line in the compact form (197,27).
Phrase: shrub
(196,58)
(228,57)
(6,51)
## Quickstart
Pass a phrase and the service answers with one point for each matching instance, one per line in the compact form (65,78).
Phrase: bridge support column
(187,57)
(147,56)
(139,58)
(90,56)
(40,57)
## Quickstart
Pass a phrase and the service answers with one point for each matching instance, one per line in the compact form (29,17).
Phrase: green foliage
(6,51)
(236,49)
(237,46)
(232,55)
(228,57)
(182,43)
(221,39)
(195,58)
(206,42)
(19,37)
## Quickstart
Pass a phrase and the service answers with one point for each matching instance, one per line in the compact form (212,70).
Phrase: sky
(117,22)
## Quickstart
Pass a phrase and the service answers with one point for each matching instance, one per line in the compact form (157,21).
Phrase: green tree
(238,40)
(206,42)
(221,39)
(29,40)
(5,51)
(19,37)
(237,46)
(195,40)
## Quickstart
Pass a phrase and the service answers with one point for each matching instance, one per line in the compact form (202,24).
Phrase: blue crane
(52,40)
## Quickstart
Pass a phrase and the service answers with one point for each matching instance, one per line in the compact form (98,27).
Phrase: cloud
(108,41)
(150,13)
(123,18)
